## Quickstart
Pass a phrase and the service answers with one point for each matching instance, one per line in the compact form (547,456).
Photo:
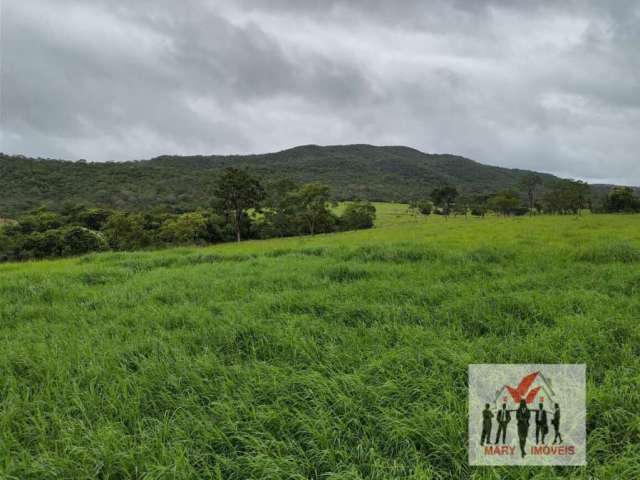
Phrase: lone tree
(444,198)
(311,202)
(358,215)
(529,184)
(238,191)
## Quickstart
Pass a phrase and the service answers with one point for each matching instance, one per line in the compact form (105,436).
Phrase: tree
(65,241)
(463,205)
(238,191)
(279,212)
(422,207)
(444,198)
(125,231)
(186,228)
(358,215)
(622,199)
(278,193)
(505,203)
(311,205)
(79,240)
(215,228)
(567,196)
(529,184)
(579,194)
(478,205)
(92,218)
(6,245)
(39,220)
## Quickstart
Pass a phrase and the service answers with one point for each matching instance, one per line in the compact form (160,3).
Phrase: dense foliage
(241,209)
(621,199)
(567,197)
(182,184)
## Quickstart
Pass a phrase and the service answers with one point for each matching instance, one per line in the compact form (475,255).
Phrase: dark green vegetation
(559,197)
(621,199)
(241,206)
(182,184)
(331,357)
(242,209)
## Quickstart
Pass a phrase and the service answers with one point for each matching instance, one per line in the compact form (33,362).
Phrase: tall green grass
(336,357)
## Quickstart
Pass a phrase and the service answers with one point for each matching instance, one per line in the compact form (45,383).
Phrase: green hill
(184,183)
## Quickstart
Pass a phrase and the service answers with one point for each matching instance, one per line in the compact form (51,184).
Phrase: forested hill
(184,183)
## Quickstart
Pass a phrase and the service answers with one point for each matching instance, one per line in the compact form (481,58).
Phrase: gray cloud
(553,86)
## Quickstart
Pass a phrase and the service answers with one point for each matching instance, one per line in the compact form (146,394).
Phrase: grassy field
(336,357)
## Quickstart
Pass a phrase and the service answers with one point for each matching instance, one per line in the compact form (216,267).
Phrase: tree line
(532,197)
(241,207)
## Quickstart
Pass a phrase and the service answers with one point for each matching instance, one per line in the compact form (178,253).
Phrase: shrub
(80,240)
(126,231)
(357,216)
(60,242)
(186,228)
(6,246)
(423,207)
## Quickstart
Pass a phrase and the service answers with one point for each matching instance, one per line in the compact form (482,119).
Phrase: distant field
(340,356)
(388,214)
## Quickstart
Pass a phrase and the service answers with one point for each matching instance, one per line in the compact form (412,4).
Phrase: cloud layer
(552,86)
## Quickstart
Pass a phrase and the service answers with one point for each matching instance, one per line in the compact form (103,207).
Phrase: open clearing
(341,356)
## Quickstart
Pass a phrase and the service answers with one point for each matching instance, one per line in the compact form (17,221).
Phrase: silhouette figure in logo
(503,417)
(487,415)
(523,415)
(542,427)
(555,421)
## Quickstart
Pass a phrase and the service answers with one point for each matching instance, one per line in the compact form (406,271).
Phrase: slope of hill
(340,356)
(353,171)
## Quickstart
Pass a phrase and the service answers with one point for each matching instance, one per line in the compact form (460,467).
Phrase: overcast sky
(546,85)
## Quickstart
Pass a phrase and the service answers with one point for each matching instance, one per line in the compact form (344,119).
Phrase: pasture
(341,356)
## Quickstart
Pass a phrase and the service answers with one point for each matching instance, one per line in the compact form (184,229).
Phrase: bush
(126,231)
(357,216)
(478,211)
(423,207)
(185,228)
(6,246)
(92,218)
(622,199)
(80,240)
(60,242)
(215,226)
(520,211)
(506,203)
(39,221)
